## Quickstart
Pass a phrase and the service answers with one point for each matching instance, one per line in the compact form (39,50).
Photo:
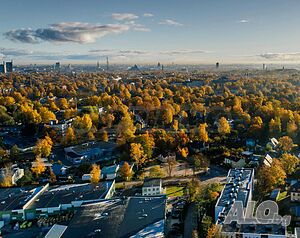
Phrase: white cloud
(117,55)
(148,15)
(281,56)
(170,22)
(76,32)
(124,16)
(244,21)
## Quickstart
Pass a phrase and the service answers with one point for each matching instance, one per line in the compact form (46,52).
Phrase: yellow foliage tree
(125,129)
(43,147)
(184,151)
(105,136)
(203,135)
(95,174)
(137,154)
(223,127)
(125,171)
(70,136)
(289,163)
(46,115)
(38,167)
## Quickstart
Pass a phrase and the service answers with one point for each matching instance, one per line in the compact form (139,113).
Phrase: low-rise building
(19,204)
(239,187)
(110,172)
(235,161)
(152,187)
(295,192)
(92,151)
(14,173)
(129,217)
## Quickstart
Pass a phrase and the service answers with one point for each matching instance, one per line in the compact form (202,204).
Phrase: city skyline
(138,31)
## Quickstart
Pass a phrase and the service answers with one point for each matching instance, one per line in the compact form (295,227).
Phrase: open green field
(175,191)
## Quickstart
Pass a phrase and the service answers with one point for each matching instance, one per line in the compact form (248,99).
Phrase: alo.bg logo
(266,213)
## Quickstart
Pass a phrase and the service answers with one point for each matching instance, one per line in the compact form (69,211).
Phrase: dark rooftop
(117,218)
(65,194)
(15,198)
(152,182)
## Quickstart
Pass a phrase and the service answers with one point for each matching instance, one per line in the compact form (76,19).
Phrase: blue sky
(148,31)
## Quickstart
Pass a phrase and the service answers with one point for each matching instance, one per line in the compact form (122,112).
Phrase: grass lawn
(174,191)
(119,186)
(282,196)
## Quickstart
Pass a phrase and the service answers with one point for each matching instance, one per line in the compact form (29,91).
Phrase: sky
(150,31)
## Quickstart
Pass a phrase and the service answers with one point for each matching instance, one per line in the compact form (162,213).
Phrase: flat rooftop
(15,198)
(270,229)
(65,194)
(117,218)
(92,146)
(237,188)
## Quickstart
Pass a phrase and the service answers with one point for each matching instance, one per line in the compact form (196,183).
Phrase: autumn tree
(95,174)
(289,163)
(147,142)
(202,133)
(38,167)
(292,129)
(286,143)
(269,177)
(223,126)
(70,136)
(125,129)
(104,136)
(83,124)
(52,176)
(194,188)
(125,171)
(63,103)
(275,126)
(43,147)
(46,115)
(6,178)
(167,114)
(137,154)
(156,172)
(183,152)
(175,125)
(212,231)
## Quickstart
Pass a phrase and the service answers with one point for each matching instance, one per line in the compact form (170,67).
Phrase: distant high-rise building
(217,65)
(57,66)
(3,68)
(98,65)
(264,66)
(107,64)
(9,66)
(158,65)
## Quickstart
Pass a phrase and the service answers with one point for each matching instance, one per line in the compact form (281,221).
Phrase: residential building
(117,218)
(109,172)
(31,203)
(152,187)
(60,127)
(235,161)
(239,187)
(14,172)
(91,151)
(295,192)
